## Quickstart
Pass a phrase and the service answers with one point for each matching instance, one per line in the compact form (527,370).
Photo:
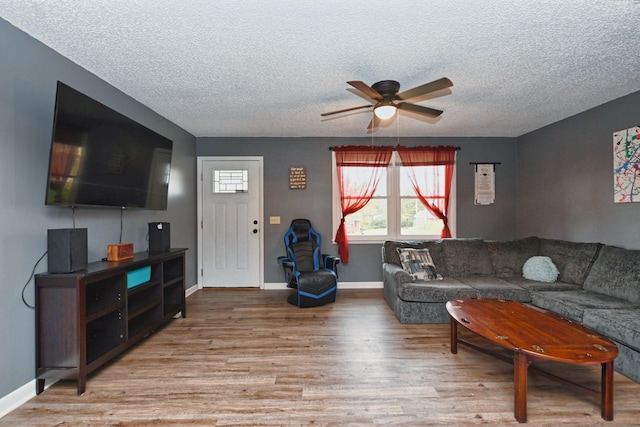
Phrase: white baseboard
(18,397)
(274,286)
(341,285)
(189,291)
(360,285)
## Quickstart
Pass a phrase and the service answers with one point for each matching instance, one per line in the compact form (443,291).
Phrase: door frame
(200,223)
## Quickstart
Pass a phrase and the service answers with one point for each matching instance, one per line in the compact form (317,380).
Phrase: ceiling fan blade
(345,110)
(366,89)
(433,86)
(425,111)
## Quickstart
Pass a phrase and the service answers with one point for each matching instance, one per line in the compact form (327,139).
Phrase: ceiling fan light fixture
(385,111)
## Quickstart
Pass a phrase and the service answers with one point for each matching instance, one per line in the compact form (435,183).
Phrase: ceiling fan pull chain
(398,128)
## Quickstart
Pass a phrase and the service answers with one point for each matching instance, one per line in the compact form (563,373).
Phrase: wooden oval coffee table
(534,335)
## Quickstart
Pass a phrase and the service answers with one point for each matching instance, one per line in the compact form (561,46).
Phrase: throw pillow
(540,268)
(418,263)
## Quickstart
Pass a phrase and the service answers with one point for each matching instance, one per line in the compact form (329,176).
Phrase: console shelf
(85,319)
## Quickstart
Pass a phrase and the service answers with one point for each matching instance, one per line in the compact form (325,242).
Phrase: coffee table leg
(606,392)
(454,336)
(520,365)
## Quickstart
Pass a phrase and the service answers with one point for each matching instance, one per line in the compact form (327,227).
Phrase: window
(395,211)
(230,181)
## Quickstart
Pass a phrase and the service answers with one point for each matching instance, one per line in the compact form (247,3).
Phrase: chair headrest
(301,228)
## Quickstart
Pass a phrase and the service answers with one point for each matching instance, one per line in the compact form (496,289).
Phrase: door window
(230,181)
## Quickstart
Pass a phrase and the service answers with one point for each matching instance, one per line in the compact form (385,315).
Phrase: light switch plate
(274,220)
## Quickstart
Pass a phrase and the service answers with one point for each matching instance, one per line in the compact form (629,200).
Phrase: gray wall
(565,178)
(29,71)
(492,222)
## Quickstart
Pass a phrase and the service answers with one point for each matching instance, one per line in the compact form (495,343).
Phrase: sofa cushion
(620,325)
(572,304)
(435,291)
(495,287)
(616,272)
(390,252)
(508,257)
(418,263)
(572,259)
(466,257)
(540,268)
(535,286)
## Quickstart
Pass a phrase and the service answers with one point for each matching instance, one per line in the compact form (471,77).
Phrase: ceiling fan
(384,95)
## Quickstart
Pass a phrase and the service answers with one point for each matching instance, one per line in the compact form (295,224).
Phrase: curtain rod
(457,149)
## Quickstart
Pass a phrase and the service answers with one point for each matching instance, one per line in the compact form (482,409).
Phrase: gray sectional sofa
(597,285)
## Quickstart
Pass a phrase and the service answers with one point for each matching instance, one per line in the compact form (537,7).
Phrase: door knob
(255,230)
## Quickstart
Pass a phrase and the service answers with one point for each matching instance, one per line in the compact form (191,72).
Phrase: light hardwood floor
(246,357)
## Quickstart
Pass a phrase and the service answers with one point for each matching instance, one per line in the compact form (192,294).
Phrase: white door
(231,229)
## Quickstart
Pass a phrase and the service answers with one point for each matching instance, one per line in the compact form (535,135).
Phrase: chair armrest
(331,262)
(288,267)
(285,261)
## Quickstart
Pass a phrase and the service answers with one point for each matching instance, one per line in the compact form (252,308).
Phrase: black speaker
(159,236)
(66,250)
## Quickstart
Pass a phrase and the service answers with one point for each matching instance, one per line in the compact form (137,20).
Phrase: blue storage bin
(138,277)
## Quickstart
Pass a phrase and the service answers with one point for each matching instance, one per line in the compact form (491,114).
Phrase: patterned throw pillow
(418,263)
(540,268)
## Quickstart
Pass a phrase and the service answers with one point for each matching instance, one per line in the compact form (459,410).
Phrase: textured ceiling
(269,68)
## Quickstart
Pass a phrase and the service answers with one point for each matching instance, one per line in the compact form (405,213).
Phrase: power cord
(121,215)
(29,280)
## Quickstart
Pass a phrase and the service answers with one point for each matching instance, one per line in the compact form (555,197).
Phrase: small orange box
(119,252)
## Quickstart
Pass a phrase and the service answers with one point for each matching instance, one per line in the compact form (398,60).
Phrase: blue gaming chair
(312,274)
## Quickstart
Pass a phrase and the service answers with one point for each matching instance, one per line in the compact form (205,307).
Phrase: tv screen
(101,158)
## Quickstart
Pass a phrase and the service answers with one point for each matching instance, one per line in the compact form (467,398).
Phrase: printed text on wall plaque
(297,178)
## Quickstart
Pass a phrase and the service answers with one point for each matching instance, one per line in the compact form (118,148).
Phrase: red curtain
(436,203)
(354,196)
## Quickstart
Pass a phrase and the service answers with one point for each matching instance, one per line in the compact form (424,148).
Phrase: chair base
(303,301)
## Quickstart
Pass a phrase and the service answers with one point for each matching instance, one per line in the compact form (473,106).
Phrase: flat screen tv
(101,158)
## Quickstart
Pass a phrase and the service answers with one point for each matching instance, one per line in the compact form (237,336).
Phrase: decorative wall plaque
(297,178)
(485,183)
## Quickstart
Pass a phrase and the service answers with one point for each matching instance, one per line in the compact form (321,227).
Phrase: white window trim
(393,208)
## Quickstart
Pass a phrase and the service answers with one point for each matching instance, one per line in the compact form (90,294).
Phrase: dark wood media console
(86,318)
